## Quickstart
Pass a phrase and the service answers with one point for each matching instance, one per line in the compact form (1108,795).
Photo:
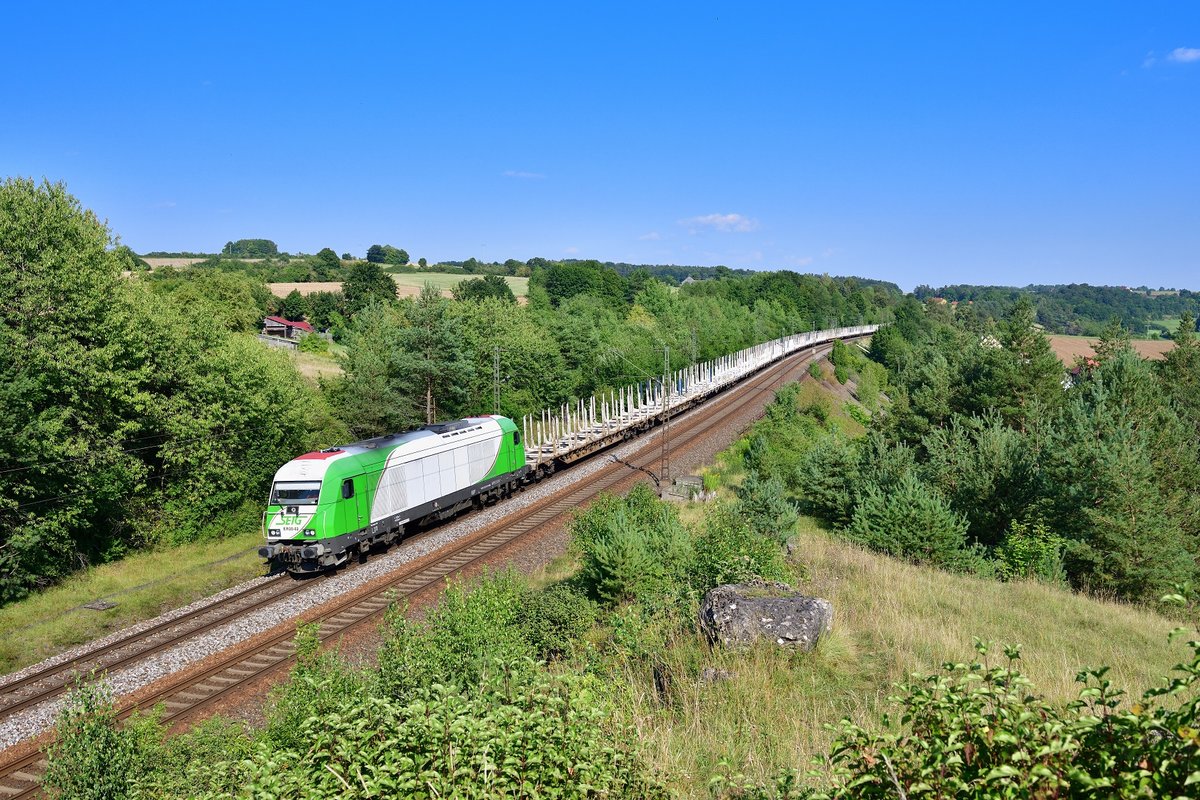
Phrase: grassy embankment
(892,619)
(141,586)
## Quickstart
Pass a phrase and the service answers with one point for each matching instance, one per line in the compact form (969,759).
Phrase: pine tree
(432,363)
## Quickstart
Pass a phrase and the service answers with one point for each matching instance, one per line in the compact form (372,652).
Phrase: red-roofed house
(286,328)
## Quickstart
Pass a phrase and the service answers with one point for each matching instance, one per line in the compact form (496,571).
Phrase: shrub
(631,546)
(555,618)
(814,370)
(826,478)
(912,521)
(461,638)
(730,551)
(314,344)
(842,373)
(980,731)
(318,685)
(1031,551)
(521,733)
(92,758)
(764,507)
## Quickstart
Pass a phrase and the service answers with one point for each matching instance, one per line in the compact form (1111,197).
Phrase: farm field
(1068,348)
(155,263)
(407,284)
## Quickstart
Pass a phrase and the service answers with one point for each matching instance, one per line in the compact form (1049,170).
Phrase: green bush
(1031,551)
(460,639)
(319,685)
(729,550)
(92,758)
(631,546)
(980,731)
(521,733)
(914,522)
(554,618)
(842,373)
(814,370)
(313,344)
(826,479)
(763,504)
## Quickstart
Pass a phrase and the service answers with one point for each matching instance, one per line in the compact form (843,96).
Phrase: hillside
(892,619)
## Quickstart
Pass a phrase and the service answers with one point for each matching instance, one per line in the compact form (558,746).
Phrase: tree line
(994,457)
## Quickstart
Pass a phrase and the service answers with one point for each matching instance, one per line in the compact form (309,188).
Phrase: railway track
(190,695)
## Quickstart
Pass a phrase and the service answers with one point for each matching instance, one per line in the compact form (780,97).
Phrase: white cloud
(516,173)
(803,261)
(1149,61)
(571,250)
(652,236)
(1184,55)
(725,223)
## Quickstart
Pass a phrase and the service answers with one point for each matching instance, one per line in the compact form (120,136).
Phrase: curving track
(195,691)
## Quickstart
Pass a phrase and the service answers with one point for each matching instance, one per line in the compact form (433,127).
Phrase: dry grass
(155,263)
(1068,348)
(304,288)
(314,366)
(142,585)
(408,284)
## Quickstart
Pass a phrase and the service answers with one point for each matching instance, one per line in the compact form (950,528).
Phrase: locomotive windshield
(295,494)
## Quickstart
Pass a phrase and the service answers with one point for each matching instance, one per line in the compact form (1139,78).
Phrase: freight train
(332,504)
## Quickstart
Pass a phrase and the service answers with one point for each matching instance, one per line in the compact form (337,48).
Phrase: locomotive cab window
(295,493)
(516,437)
(348,488)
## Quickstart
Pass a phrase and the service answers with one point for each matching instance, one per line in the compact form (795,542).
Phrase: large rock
(740,614)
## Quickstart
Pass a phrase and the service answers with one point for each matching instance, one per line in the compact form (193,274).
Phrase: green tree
(431,357)
(374,396)
(326,308)
(71,383)
(293,307)
(375,254)
(1179,372)
(251,248)
(367,283)
(422,263)
(487,286)
(911,521)
(327,264)
(1114,339)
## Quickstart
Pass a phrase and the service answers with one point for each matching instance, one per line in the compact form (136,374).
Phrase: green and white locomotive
(328,505)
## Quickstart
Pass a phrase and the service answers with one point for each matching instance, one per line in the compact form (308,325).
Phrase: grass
(142,586)
(448,280)
(892,619)
(315,365)
(1168,325)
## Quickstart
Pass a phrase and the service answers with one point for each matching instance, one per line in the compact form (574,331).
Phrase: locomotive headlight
(274,532)
(310,532)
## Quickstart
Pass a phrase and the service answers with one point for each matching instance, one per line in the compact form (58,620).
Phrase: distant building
(688,280)
(286,328)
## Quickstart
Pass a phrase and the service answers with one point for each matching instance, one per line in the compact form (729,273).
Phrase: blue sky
(925,143)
